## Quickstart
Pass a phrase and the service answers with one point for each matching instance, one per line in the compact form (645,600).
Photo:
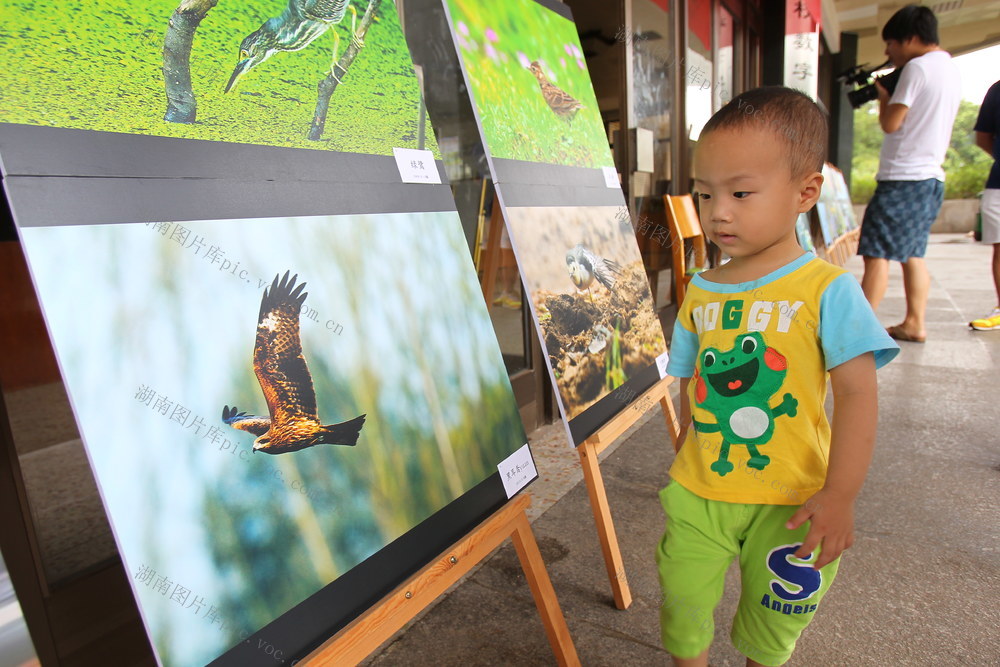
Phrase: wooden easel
(853,238)
(477,246)
(491,260)
(833,252)
(589,451)
(599,441)
(366,633)
(843,247)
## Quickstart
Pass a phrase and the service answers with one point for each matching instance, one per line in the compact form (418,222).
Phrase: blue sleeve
(989,112)
(683,351)
(847,326)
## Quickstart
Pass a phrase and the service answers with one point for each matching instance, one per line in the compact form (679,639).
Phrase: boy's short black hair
(912,21)
(790,114)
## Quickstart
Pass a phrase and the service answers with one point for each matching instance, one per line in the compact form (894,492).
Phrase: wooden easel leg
(673,426)
(545,596)
(367,632)
(605,527)
(480,223)
(492,263)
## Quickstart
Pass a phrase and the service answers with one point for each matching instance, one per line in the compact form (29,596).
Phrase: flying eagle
(284,378)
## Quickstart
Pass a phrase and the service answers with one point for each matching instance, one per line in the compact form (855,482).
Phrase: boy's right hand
(831,526)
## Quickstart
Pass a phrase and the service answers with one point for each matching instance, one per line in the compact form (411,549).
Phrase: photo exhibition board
(837,208)
(201,71)
(803,233)
(565,212)
(284,417)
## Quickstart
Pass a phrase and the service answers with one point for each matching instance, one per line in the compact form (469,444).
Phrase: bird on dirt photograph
(585,266)
(299,25)
(562,103)
(284,378)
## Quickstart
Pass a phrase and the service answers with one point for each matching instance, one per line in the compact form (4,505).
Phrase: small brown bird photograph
(530,83)
(562,103)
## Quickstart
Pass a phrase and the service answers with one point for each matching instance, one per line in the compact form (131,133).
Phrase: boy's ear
(809,190)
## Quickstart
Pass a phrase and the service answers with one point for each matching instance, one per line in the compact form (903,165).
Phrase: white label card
(416,166)
(661,364)
(611,177)
(517,470)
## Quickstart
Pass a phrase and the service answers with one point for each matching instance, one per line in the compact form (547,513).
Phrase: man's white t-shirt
(929,85)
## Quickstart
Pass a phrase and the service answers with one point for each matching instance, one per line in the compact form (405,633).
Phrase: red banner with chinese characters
(802,26)
(802,16)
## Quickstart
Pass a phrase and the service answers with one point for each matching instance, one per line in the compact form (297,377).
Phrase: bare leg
(917,283)
(700,661)
(875,280)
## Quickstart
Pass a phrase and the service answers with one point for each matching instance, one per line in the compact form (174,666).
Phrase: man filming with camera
(917,118)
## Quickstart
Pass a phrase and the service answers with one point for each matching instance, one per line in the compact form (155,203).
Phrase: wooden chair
(682,219)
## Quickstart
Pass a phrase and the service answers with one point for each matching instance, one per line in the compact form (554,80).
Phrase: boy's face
(749,200)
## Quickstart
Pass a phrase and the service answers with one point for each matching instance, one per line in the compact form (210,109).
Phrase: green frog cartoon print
(736,386)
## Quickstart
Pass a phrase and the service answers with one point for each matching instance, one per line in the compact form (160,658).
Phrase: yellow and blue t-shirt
(758,354)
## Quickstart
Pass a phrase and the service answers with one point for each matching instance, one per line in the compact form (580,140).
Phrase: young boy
(759,474)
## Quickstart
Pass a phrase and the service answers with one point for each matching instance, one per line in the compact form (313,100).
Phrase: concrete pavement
(920,586)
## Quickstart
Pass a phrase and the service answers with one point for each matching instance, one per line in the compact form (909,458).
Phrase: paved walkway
(920,586)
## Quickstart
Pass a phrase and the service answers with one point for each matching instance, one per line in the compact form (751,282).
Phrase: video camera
(858,76)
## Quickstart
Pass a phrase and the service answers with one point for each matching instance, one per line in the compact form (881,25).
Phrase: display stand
(843,247)
(833,252)
(599,441)
(589,451)
(480,220)
(491,262)
(853,238)
(366,633)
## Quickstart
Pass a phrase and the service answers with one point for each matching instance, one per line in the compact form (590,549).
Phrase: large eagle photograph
(293,422)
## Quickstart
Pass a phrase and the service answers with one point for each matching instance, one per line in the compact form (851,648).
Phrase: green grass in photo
(498,42)
(96,65)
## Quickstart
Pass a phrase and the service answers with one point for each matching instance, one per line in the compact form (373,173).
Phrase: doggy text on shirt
(735,314)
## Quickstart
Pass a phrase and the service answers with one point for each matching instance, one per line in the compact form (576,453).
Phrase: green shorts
(780,592)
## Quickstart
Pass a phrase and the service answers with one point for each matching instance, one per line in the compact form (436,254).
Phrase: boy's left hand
(831,523)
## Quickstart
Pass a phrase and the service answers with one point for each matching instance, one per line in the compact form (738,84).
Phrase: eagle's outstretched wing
(244,422)
(277,355)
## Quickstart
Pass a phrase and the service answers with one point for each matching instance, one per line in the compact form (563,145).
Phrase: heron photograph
(234,71)
(266,403)
(589,294)
(529,83)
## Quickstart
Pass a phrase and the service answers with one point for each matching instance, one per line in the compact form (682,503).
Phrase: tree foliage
(966,166)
